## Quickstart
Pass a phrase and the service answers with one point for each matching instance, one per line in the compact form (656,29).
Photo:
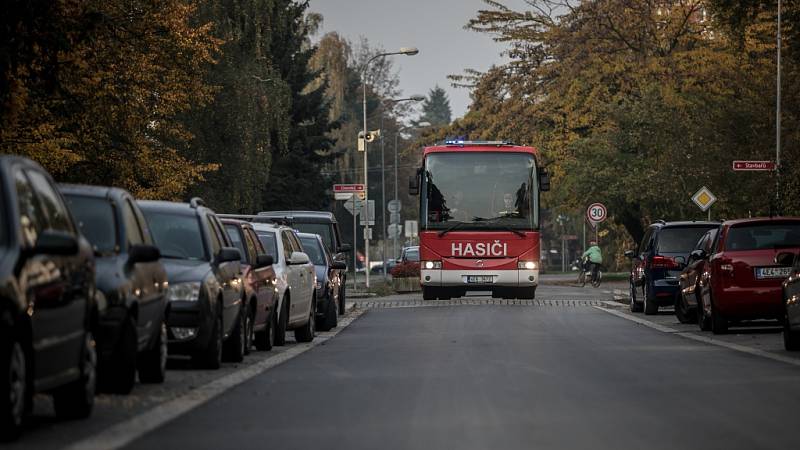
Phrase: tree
(436,108)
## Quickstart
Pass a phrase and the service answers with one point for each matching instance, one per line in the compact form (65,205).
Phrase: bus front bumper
(477,279)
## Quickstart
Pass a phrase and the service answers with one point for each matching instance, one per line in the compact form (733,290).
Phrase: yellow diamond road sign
(704,198)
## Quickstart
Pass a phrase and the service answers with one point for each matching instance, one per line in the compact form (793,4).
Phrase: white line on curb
(705,339)
(125,432)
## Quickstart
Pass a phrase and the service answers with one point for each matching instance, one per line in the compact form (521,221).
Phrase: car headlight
(186,292)
(527,265)
(432,265)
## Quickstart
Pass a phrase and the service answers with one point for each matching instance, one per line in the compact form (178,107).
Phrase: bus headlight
(432,265)
(527,265)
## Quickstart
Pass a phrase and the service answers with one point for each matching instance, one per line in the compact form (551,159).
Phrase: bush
(406,270)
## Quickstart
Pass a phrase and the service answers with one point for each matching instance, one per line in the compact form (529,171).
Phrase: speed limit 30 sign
(596,213)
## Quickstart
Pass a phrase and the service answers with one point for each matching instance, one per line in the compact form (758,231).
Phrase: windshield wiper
(513,230)
(453,227)
(502,227)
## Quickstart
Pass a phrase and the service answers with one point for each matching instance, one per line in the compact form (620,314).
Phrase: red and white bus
(479,219)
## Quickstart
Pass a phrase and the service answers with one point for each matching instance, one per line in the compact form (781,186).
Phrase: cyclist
(594,257)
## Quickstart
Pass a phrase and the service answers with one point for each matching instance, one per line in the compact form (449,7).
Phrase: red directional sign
(753,165)
(348,187)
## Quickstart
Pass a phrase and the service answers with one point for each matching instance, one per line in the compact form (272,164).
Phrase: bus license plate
(773,272)
(480,279)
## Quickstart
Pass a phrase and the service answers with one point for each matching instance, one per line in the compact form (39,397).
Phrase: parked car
(744,277)
(658,261)
(131,287)
(409,254)
(686,304)
(791,301)
(204,317)
(47,309)
(322,223)
(329,280)
(295,280)
(258,279)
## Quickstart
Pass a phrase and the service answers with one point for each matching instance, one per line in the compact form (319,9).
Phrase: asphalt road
(552,375)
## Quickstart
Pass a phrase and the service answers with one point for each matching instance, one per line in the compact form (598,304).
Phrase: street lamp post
(778,121)
(413,98)
(396,135)
(403,51)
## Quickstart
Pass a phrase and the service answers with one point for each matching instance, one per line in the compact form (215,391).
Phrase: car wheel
(428,293)
(682,311)
(13,387)
(282,322)
(719,325)
(234,346)
(211,357)
(306,332)
(635,306)
(791,338)
(650,305)
(331,317)
(117,375)
(342,300)
(264,339)
(75,400)
(152,364)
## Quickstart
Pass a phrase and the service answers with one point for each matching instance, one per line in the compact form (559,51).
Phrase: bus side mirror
(544,180)
(413,184)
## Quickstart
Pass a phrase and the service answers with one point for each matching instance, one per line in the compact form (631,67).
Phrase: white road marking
(125,432)
(705,339)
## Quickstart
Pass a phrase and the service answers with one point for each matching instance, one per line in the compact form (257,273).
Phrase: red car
(742,280)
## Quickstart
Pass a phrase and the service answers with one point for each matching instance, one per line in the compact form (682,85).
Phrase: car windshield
(236,238)
(324,230)
(412,254)
(761,236)
(178,236)
(680,239)
(313,250)
(480,190)
(267,239)
(95,217)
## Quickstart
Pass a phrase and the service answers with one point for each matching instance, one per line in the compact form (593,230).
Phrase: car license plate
(773,272)
(480,279)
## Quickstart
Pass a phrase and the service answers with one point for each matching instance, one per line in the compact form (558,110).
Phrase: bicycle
(586,270)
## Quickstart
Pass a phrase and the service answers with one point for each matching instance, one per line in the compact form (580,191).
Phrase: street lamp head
(417,98)
(409,51)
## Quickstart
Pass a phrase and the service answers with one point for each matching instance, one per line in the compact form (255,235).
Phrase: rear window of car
(236,239)
(96,221)
(313,250)
(178,236)
(761,236)
(267,239)
(412,255)
(680,239)
(324,230)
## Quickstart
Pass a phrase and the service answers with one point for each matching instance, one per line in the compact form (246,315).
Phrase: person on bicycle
(594,257)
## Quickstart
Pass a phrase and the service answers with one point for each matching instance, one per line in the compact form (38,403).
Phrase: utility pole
(778,122)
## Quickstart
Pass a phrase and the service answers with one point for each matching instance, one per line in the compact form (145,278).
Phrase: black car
(131,286)
(46,299)
(329,279)
(658,261)
(205,294)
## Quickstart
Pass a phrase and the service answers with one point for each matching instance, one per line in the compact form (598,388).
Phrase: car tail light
(663,262)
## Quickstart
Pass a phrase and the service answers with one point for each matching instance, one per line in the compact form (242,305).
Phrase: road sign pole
(355,247)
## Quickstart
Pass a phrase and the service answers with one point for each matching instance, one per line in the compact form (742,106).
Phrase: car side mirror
(680,260)
(339,265)
(55,243)
(264,261)
(298,258)
(345,248)
(544,180)
(785,259)
(227,254)
(697,254)
(413,183)
(143,254)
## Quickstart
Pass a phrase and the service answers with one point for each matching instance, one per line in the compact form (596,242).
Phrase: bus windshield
(480,190)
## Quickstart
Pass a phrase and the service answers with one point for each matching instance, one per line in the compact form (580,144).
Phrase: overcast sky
(436,27)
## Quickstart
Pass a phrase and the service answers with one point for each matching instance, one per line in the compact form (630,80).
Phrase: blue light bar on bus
(463,142)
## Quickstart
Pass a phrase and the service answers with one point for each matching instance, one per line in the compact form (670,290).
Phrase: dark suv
(658,261)
(46,299)
(132,283)
(205,293)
